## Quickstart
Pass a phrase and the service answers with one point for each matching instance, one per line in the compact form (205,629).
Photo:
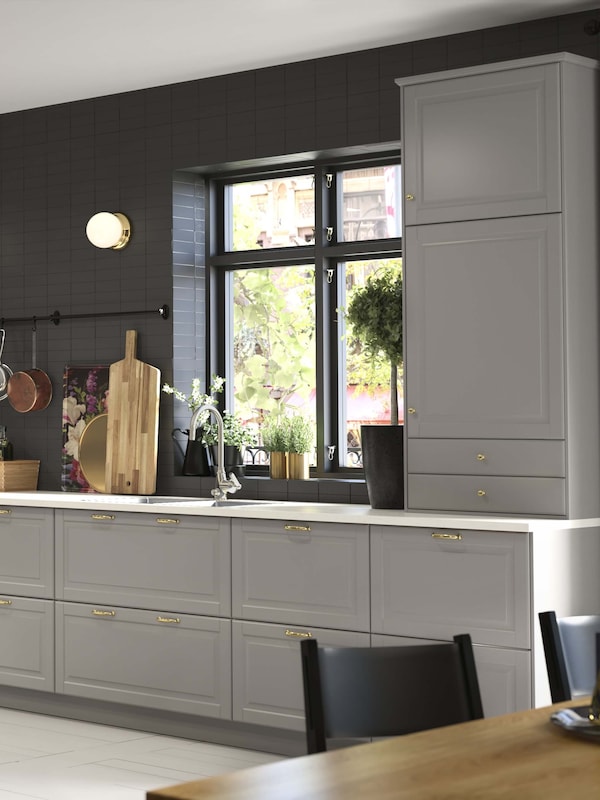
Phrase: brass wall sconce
(106,229)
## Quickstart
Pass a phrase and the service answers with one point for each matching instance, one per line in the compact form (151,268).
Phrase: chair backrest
(352,692)
(572,651)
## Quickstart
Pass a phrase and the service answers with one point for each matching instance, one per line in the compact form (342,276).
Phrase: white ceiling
(54,51)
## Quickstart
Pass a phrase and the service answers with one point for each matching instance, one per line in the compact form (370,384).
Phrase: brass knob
(480,492)
(410,197)
(480,457)
(412,410)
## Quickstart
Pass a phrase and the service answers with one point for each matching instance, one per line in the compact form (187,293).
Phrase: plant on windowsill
(300,443)
(375,316)
(288,440)
(275,440)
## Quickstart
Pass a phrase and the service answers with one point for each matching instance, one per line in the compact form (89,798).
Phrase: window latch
(329,234)
(330,274)
(330,452)
(329,180)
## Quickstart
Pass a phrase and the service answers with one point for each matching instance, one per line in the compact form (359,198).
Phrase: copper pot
(29,389)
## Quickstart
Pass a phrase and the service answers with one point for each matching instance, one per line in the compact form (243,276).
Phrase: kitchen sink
(134,499)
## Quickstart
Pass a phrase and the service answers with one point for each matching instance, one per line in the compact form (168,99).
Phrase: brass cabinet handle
(481,492)
(480,457)
(303,528)
(167,521)
(453,537)
(176,620)
(410,197)
(5,602)
(103,516)
(298,634)
(101,612)
(412,410)
(5,510)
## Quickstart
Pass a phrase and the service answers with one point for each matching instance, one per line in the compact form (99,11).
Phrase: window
(288,249)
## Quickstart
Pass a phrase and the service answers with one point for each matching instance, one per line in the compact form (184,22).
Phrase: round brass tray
(92,452)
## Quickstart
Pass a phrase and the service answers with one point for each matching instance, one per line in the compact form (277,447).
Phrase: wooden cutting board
(132,426)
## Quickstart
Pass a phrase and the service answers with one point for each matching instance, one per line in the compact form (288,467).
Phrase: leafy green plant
(301,434)
(275,432)
(375,314)
(235,433)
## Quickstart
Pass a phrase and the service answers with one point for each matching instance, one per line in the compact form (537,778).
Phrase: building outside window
(287,251)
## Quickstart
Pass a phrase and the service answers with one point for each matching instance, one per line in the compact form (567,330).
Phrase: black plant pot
(233,460)
(383,461)
(196,461)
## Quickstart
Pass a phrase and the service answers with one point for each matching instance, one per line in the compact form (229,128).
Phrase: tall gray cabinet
(502,383)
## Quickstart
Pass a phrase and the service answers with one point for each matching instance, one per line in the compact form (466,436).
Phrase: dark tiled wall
(61,164)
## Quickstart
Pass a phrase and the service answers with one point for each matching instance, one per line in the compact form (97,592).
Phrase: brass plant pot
(278,465)
(298,468)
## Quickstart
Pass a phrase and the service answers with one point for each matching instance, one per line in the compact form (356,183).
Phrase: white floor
(46,758)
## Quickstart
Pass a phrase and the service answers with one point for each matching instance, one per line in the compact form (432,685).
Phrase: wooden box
(19,476)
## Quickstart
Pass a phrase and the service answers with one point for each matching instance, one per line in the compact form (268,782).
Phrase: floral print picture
(85,396)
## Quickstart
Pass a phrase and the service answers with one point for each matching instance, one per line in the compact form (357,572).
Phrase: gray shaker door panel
(27,551)
(302,573)
(482,146)
(154,659)
(27,643)
(484,341)
(267,676)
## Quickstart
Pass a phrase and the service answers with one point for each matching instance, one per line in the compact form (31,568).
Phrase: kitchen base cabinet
(27,637)
(156,659)
(267,674)
(27,551)
(504,675)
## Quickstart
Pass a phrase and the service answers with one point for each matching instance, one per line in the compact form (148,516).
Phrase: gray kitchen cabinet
(504,674)
(267,671)
(301,573)
(154,659)
(501,287)
(27,551)
(482,143)
(180,563)
(27,636)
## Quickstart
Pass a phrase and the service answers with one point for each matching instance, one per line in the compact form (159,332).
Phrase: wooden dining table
(518,756)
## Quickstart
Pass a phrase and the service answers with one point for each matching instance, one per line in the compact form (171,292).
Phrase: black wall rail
(56,317)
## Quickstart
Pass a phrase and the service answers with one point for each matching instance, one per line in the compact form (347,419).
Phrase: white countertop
(276,509)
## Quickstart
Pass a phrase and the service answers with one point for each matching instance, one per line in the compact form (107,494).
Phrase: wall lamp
(108,230)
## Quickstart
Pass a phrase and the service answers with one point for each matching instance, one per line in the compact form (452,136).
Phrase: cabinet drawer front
(488,168)
(301,573)
(487,457)
(437,583)
(157,659)
(494,495)
(267,678)
(139,560)
(27,551)
(27,636)
(504,675)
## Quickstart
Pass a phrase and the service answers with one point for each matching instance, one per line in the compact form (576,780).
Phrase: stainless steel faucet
(224,484)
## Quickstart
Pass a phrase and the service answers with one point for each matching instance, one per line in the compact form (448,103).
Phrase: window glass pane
(278,212)
(364,377)
(371,203)
(274,343)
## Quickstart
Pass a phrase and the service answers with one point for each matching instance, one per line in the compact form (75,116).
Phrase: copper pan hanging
(30,389)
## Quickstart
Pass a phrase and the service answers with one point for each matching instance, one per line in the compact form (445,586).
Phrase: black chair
(572,651)
(357,692)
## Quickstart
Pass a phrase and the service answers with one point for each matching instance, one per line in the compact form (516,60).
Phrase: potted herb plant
(375,315)
(275,440)
(300,443)
(236,437)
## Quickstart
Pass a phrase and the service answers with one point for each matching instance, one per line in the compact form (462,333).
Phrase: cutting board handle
(130,345)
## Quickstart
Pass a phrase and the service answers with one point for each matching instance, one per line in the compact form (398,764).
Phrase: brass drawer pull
(449,537)
(103,516)
(480,457)
(412,410)
(167,521)
(176,620)
(481,493)
(5,511)
(5,602)
(301,528)
(100,612)
(298,634)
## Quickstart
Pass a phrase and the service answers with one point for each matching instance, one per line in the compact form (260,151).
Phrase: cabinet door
(27,637)
(504,675)
(144,561)
(301,573)
(435,583)
(154,659)
(482,146)
(267,671)
(27,551)
(484,339)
